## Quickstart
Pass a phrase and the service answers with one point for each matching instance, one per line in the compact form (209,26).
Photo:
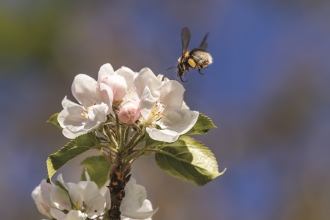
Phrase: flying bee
(196,58)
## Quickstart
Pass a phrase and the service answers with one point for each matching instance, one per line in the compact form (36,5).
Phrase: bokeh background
(267,91)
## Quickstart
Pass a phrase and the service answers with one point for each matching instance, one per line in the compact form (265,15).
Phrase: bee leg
(199,70)
(182,79)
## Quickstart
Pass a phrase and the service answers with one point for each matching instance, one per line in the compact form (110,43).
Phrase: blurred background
(267,91)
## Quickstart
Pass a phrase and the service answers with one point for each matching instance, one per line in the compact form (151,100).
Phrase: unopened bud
(129,112)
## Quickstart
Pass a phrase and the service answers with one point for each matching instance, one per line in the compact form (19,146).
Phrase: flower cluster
(124,115)
(140,97)
(71,201)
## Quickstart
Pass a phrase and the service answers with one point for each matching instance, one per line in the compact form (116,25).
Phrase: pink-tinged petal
(118,86)
(128,74)
(60,198)
(129,112)
(178,120)
(107,96)
(146,103)
(134,196)
(57,214)
(171,94)
(147,78)
(162,135)
(105,71)
(96,207)
(77,195)
(85,90)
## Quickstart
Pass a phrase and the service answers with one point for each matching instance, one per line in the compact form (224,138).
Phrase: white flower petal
(134,196)
(184,105)
(35,193)
(60,198)
(178,120)
(76,193)
(45,191)
(57,214)
(147,78)
(85,90)
(96,207)
(171,94)
(145,212)
(66,103)
(105,71)
(107,96)
(60,179)
(106,195)
(71,135)
(76,215)
(97,114)
(71,115)
(91,190)
(146,103)
(42,207)
(162,135)
(128,74)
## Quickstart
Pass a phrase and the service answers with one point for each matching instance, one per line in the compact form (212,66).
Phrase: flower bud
(129,112)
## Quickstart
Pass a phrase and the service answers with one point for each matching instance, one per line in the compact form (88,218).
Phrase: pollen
(157,112)
(84,113)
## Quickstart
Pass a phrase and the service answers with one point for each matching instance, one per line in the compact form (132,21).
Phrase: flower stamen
(157,112)
(84,113)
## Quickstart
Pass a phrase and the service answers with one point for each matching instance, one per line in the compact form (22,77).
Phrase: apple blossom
(96,102)
(84,200)
(161,105)
(41,196)
(126,109)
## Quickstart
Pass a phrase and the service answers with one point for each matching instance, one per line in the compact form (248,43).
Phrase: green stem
(137,153)
(123,130)
(110,134)
(107,147)
(132,140)
(127,134)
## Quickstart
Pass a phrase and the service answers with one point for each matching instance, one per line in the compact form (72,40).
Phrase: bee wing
(185,38)
(204,44)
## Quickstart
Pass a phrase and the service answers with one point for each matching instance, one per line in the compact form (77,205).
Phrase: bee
(196,58)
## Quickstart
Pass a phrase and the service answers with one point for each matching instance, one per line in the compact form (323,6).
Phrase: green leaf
(202,126)
(53,120)
(98,168)
(189,160)
(72,149)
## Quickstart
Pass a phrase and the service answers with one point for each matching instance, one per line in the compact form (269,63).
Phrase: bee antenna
(171,67)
